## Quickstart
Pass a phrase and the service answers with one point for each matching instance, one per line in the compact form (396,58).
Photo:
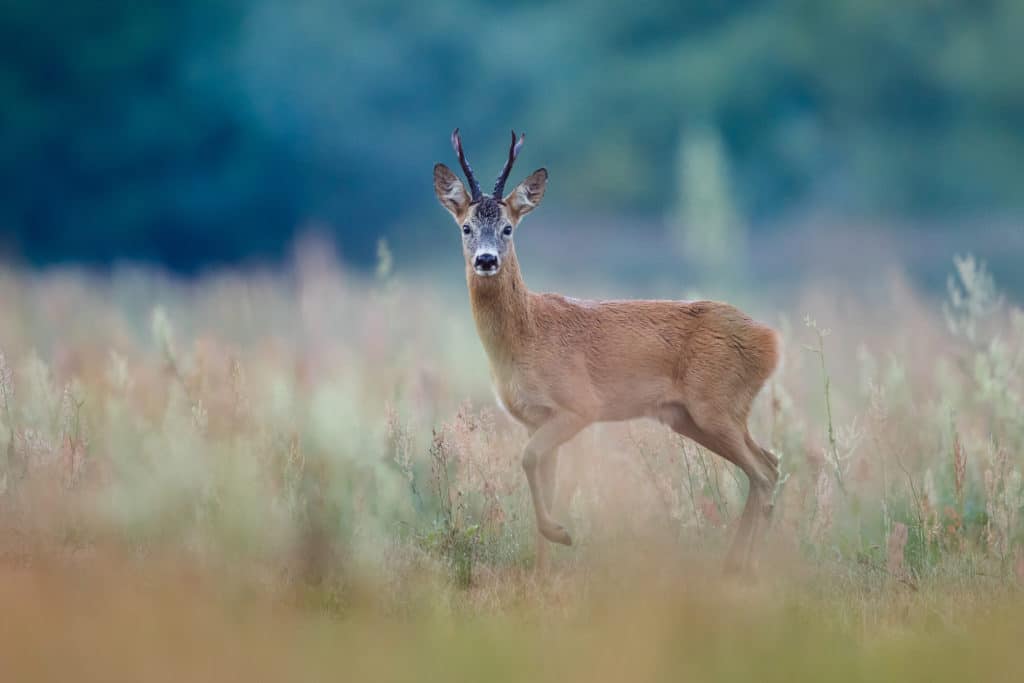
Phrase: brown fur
(559,364)
(616,360)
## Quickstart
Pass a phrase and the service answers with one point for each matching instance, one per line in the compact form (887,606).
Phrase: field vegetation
(300,474)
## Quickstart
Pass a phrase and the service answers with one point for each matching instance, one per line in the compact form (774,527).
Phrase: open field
(164,626)
(300,475)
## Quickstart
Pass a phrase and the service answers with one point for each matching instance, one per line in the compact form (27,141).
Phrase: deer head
(487,221)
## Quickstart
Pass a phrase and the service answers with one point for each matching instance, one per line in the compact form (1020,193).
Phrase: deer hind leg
(541,447)
(728,437)
(769,458)
(765,506)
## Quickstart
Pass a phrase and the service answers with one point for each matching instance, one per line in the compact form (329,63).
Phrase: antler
(474,186)
(513,152)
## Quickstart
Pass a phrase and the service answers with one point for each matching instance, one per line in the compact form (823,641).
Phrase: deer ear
(527,194)
(450,192)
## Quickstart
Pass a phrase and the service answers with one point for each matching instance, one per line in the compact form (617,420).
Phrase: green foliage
(708,228)
(211,130)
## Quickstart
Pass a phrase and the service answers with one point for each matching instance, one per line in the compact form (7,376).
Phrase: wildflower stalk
(959,468)
(690,485)
(6,389)
(652,475)
(833,446)
(712,483)
(7,396)
(917,498)
(879,417)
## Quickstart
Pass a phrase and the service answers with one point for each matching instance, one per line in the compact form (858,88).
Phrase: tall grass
(327,442)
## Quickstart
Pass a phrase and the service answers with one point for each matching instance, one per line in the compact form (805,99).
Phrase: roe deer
(559,364)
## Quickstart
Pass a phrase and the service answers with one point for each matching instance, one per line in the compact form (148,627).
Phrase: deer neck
(501,309)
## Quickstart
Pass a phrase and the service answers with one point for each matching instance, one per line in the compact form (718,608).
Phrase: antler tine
(513,152)
(474,186)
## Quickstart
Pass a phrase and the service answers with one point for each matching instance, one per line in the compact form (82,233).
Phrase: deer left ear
(527,194)
(450,192)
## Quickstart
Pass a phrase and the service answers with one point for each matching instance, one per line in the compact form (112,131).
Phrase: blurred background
(764,140)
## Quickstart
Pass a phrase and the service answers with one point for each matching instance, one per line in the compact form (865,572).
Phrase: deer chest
(518,399)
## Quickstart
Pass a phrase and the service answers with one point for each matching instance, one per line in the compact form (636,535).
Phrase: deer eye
(466,230)
(507,231)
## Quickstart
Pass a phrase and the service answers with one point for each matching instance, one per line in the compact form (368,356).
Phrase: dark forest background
(203,132)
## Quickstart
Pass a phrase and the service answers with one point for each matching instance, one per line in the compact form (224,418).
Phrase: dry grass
(158,624)
(289,476)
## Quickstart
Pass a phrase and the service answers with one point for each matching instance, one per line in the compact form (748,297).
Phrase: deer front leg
(539,449)
(548,472)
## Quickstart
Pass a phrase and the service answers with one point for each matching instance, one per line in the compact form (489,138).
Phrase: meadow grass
(300,474)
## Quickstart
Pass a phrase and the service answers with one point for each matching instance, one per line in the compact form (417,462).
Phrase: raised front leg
(541,446)
(548,472)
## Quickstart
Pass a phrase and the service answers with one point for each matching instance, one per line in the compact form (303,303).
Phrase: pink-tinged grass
(300,476)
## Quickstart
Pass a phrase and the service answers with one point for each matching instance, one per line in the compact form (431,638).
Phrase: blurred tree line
(203,131)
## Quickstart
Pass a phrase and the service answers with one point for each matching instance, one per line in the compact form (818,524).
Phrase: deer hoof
(556,533)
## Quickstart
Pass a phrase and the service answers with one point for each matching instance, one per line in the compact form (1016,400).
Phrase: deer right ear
(527,194)
(450,192)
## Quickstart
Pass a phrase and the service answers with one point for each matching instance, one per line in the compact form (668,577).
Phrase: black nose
(486,262)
